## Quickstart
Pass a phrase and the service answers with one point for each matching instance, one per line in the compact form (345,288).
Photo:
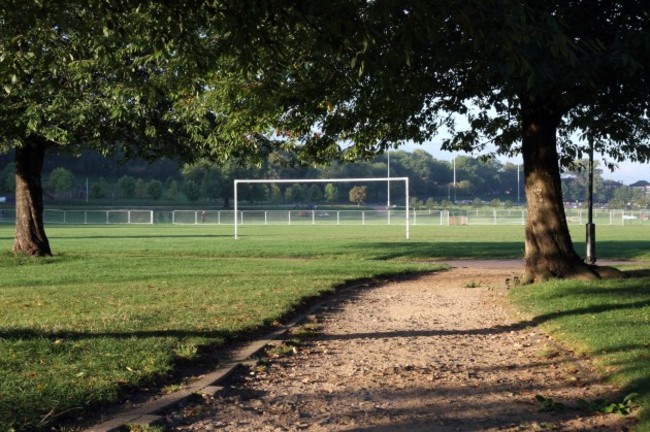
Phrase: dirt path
(439,353)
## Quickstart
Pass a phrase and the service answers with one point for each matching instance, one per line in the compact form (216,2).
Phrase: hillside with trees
(104,181)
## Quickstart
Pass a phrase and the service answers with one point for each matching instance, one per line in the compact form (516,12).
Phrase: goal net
(387,180)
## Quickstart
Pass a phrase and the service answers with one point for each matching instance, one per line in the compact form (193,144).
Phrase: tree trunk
(549,251)
(30,234)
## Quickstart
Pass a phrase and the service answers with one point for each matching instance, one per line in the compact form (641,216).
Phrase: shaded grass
(608,321)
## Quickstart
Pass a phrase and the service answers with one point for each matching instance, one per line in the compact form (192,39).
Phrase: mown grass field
(125,307)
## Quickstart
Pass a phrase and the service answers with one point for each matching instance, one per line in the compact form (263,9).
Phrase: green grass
(124,307)
(608,321)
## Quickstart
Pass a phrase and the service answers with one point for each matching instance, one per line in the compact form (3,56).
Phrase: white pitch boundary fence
(425,217)
(103,217)
(327,180)
(324,216)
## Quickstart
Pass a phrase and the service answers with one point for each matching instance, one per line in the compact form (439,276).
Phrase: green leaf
(628,399)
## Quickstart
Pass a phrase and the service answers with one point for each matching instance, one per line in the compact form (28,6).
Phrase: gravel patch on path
(438,353)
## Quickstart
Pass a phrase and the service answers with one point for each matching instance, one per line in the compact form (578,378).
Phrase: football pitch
(123,307)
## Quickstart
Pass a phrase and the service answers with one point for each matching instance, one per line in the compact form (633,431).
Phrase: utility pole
(591,227)
(454,179)
(517,183)
(388,176)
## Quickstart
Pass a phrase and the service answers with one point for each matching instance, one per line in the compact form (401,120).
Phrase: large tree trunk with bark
(30,234)
(549,251)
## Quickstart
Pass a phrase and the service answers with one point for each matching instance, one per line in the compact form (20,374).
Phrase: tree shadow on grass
(625,250)
(443,250)
(638,273)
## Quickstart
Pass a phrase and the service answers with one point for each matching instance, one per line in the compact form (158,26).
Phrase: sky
(626,173)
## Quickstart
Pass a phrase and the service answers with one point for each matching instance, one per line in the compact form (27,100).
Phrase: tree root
(606,272)
(581,272)
(532,276)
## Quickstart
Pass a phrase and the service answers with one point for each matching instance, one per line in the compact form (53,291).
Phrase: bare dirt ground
(438,353)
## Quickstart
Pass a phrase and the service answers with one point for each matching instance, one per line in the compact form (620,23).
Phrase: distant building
(611,184)
(643,186)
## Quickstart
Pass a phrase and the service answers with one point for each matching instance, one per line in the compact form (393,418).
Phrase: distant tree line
(478,182)
(607,192)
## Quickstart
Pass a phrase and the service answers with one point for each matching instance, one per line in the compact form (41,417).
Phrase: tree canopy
(105,75)
(377,73)
(150,79)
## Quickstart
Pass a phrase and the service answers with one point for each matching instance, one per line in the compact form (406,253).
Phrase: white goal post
(330,180)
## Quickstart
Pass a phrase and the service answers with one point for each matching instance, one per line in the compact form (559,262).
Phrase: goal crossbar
(331,180)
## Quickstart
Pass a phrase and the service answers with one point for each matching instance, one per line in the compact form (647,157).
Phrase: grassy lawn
(123,307)
(608,321)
